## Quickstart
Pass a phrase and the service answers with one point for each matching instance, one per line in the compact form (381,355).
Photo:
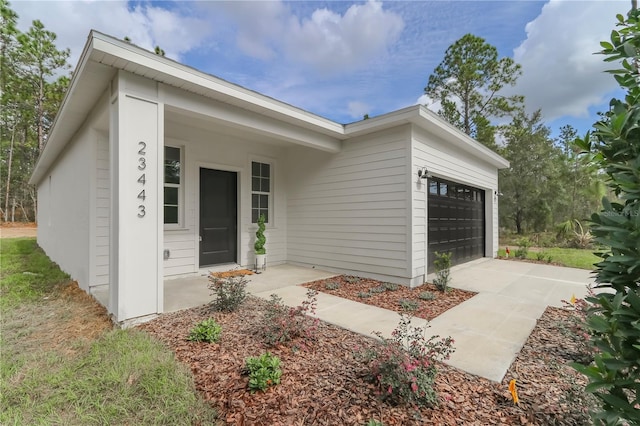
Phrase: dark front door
(456,221)
(218,216)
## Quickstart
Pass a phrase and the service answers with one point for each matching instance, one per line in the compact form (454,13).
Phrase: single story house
(154,169)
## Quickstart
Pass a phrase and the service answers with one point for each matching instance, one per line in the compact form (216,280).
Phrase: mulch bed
(354,288)
(323,384)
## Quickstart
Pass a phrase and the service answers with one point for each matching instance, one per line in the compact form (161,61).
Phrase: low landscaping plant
(352,279)
(390,286)
(408,305)
(523,248)
(264,371)
(208,331)
(427,295)
(443,271)
(378,289)
(403,367)
(332,285)
(229,292)
(283,324)
(364,294)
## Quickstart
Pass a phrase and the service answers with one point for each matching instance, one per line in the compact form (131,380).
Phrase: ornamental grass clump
(403,367)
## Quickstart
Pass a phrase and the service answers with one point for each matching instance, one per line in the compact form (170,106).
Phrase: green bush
(229,292)
(264,371)
(206,331)
(523,248)
(283,324)
(390,286)
(403,367)
(332,285)
(408,305)
(378,289)
(364,294)
(443,271)
(427,295)
(258,246)
(614,320)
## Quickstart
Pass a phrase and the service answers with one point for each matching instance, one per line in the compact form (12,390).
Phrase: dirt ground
(18,229)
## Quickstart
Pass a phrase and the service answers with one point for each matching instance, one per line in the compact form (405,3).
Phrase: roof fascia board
(131,53)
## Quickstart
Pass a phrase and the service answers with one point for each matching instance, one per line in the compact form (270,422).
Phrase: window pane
(265,170)
(254,215)
(171,164)
(255,184)
(170,195)
(255,199)
(170,214)
(443,188)
(433,187)
(264,201)
(255,169)
(264,186)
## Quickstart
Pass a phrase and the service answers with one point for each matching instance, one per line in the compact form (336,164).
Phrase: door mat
(234,273)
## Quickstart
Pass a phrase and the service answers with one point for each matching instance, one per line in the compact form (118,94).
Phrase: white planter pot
(261,262)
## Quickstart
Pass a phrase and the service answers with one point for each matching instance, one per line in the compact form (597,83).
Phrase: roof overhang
(103,55)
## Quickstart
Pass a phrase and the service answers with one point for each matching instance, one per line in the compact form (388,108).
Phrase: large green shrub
(614,320)
(261,240)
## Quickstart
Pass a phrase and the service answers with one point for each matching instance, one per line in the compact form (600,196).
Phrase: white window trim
(272,218)
(180,186)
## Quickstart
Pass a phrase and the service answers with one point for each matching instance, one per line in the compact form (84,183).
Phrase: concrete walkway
(489,329)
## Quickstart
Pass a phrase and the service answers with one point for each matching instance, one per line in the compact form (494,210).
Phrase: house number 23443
(142,180)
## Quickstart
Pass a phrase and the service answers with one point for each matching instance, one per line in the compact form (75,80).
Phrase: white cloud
(358,109)
(147,26)
(561,74)
(330,41)
(326,40)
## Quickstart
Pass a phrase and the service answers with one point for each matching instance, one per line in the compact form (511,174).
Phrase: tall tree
(41,61)
(530,185)
(467,83)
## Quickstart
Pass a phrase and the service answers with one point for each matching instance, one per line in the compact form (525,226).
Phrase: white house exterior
(154,169)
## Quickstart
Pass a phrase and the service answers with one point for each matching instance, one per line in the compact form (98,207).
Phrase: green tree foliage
(614,320)
(467,84)
(530,186)
(32,88)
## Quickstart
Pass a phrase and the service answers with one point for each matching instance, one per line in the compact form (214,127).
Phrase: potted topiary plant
(261,252)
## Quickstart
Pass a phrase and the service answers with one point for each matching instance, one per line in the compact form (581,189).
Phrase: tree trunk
(9,162)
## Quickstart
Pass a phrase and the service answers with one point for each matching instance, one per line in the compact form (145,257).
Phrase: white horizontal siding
(349,211)
(102,203)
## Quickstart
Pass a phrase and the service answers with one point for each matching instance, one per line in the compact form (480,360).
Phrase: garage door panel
(456,221)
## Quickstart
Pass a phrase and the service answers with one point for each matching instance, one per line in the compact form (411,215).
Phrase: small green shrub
(229,292)
(523,248)
(443,271)
(264,371)
(549,259)
(283,324)
(332,285)
(364,294)
(408,305)
(378,289)
(540,256)
(206,331)
(390,286)
(352,279)
(403,367)
(261,240)
(427,295)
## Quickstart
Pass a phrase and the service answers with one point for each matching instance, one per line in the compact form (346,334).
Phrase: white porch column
(136,235)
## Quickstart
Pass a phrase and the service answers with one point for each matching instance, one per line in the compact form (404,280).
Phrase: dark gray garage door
(456,221)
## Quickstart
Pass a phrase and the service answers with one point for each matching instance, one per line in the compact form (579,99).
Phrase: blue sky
(344,59)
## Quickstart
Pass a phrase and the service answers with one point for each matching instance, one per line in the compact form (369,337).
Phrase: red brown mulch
(353,288)
(323,384)
(234,273)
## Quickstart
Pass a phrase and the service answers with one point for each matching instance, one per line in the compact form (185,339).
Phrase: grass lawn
(573,258)
(63,363)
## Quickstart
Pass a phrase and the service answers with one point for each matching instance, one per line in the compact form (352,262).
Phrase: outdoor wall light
(497,194)
(423,173)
